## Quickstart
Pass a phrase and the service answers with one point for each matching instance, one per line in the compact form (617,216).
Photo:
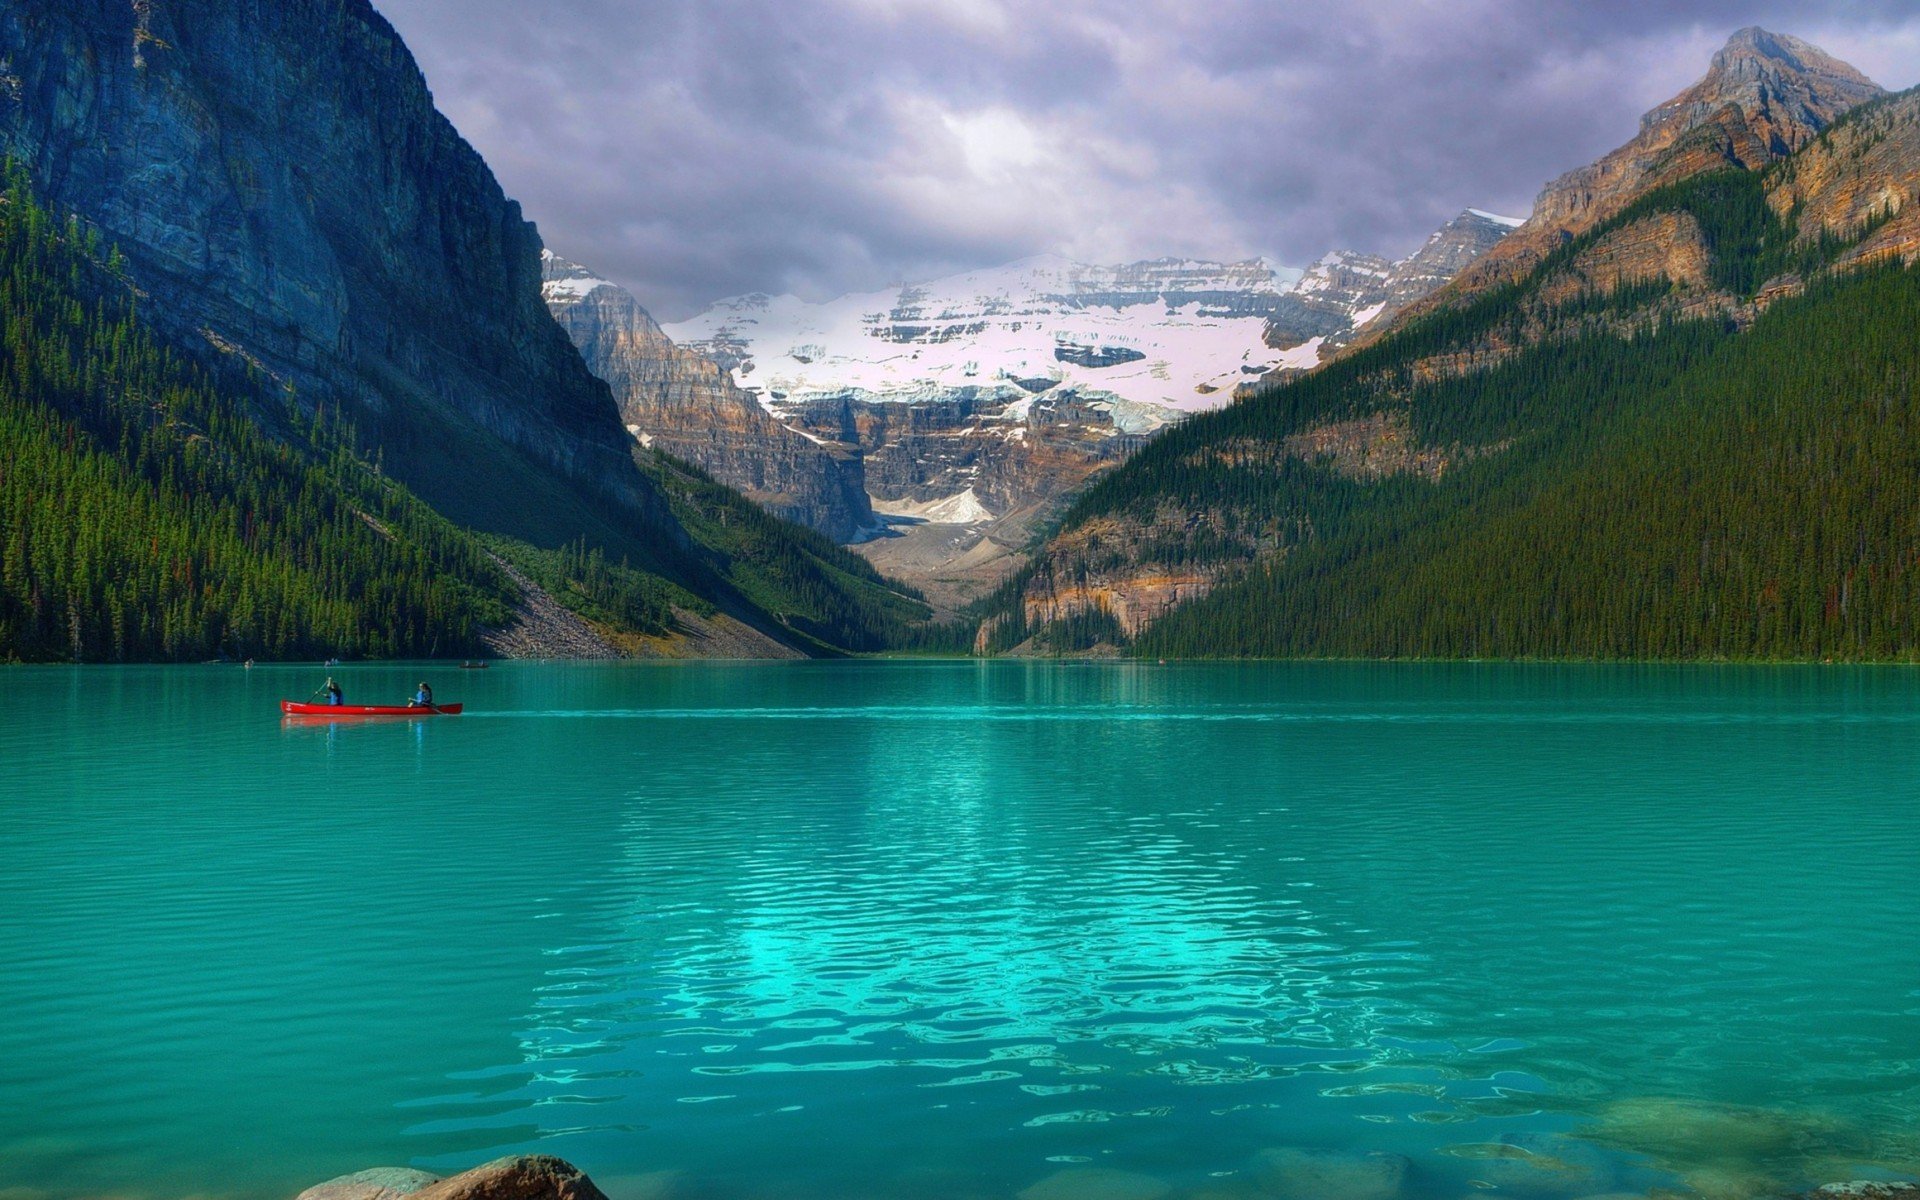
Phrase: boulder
(519,1177)
(377,1183)
(1097,1183)
(1294,1174)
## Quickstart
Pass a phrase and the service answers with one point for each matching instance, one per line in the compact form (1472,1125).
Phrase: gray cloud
(693,150)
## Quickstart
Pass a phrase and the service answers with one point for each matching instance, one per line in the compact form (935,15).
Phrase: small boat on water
(474,666)
(297,708)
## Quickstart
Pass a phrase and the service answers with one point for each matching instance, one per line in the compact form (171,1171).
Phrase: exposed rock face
(690,407)
(1863,174)
(1326,301)
(282,186)
(378,1183)
(1662,246)
(1012,450)
(520,1177)
(964,477)
(1344,295)
(1453,248)
(1765,96)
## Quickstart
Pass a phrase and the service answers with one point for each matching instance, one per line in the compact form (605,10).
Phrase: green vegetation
(156,507)
(1614,478)
(822,595)
(147,513)
(1756,502)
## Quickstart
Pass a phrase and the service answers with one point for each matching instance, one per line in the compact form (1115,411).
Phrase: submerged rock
(377,1183)
(518,1177)
(1097,1183)
(1728,1151)
(1293,1174)
(1545,1163)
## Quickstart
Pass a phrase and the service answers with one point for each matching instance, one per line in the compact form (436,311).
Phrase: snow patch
(573,289)
(1497,219)
(923,341)
(962,508)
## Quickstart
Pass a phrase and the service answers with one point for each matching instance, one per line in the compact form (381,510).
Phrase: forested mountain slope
(1688,430)
(297,232)
(155,508)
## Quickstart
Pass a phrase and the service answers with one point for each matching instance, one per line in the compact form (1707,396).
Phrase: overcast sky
(694,150)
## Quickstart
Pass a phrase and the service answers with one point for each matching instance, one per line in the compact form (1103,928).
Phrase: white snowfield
(1167,334)
(1497,219)
(577,285)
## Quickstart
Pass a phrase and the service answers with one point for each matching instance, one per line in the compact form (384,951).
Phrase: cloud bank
(694,150)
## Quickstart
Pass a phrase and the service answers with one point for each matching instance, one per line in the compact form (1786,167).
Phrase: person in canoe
(334,694)
(422,698)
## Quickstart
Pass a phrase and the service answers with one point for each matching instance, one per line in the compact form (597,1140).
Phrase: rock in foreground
(518,1177)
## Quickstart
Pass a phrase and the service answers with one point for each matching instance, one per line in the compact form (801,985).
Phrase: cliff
(277,177)
(687,405)
(1764,96)
(290,209)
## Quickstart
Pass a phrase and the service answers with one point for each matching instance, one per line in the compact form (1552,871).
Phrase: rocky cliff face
(1860,177)
(1008,451)
(284,190)
(1345,295)
(962,479)
(689,406)
(1765,96)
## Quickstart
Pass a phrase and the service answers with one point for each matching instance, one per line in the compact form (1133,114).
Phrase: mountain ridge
(1489,389)
(1764,96)
(294,213)
(690,407)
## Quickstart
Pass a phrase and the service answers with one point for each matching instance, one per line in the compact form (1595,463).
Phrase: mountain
(292,219)
(980,403)
(1345,294)
(687,405)
(284,191)
(1764,96)
(1681,426)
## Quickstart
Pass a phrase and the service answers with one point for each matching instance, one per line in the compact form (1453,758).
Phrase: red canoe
(295,708)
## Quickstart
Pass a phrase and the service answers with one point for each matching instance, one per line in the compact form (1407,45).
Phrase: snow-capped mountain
(1345,294)
(966,409)
(1151,341)
(687,405)
(1153,338)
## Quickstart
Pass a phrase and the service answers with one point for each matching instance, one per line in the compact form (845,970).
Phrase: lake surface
(965,929)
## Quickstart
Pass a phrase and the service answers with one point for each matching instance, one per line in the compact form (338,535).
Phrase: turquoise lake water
(965,929)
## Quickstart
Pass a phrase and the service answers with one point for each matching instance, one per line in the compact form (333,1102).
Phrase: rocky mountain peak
(1764,96)
(1755,54)
(688,405)
(1784,89)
